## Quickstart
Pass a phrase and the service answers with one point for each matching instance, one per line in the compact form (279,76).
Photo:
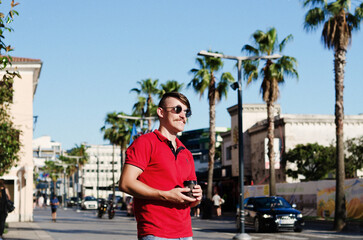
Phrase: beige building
(20,178)
(97,172)
(290,130)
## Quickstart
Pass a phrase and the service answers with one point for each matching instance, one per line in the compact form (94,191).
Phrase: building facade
(102,169)
(290,130)
(44,149)
(19,180)
(197,142)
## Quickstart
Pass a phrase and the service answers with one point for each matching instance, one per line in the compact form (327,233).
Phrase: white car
(89,202)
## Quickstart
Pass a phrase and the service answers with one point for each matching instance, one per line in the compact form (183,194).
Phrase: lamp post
(238,85)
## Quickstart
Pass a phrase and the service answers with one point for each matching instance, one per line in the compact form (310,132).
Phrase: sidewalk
(25,230)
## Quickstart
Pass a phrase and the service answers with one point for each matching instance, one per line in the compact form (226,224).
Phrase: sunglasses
(178,109)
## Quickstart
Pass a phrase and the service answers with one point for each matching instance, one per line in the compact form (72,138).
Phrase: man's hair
(176,95)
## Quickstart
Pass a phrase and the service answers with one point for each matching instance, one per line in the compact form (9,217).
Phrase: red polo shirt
(163,168)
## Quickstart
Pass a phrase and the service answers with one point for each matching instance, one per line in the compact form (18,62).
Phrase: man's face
(169,117)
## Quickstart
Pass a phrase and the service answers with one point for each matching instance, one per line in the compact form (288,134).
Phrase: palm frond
(358,13)
(250,50)
(320,3)
(286,40)
(223,85)
(314,18)
(250,70)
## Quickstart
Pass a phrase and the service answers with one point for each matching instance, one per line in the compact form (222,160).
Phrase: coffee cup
(189,184)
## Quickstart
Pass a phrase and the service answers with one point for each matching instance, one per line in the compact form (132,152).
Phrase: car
(89,202)
(272,213)
(71,202)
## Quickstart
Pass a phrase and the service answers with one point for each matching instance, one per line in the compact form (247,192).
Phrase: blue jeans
(151,237)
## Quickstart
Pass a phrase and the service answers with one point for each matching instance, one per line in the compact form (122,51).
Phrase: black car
(71,202)
(271,213)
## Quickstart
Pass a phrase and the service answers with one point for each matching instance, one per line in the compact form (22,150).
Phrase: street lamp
(238,85)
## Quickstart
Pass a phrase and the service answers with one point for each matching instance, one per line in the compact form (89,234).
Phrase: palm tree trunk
(339,64)
(212,136)
(271,153)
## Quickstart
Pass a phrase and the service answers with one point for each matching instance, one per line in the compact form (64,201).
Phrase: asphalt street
(84,225)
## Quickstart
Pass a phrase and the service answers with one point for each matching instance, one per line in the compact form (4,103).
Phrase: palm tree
(204,78)
(337,34)
(79,153)
(54,171)
(272,74)
(117,131)
(170,86)
(70,170)
(145,105)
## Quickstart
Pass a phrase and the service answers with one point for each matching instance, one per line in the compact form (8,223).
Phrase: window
(229,153)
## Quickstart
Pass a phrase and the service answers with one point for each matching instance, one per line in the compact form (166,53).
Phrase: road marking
(327,235)
(281,236)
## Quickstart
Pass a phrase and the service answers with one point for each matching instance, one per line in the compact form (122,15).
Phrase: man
(54,205)
(156,166)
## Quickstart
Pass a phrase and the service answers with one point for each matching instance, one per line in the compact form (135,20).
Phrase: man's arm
(130,184)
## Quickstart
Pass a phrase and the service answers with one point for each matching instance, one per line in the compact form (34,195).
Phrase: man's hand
(176,195)
(197,192)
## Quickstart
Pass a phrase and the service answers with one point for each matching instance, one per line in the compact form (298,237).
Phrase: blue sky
(94,52)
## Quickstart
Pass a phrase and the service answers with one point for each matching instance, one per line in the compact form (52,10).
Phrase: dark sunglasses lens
(178,109)
(188,113)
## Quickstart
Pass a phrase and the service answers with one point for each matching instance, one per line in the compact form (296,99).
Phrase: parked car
(89,202)
(271,213)
(71,202)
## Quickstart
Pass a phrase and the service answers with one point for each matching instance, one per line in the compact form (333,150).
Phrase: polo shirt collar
(162,138)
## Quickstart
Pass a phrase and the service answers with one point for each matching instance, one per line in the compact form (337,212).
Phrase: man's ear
(160,112)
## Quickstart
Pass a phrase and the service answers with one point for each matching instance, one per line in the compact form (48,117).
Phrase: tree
(205,78)
(9,135)
(313,161)
(170,86)
(79,151)
(145,105)
(337,34)
(54,170)
(80,156)
(354,156)
(117,131)
(272,74)
(71,168)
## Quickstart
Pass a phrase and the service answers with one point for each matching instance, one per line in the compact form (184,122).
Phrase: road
(84,225)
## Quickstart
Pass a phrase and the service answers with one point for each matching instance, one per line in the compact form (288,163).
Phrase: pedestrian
(156,165)
(217,202)
(54,205)
(197,211)
(41,201)
(4,195)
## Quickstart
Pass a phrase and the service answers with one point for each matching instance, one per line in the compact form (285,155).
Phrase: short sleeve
(139,153)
